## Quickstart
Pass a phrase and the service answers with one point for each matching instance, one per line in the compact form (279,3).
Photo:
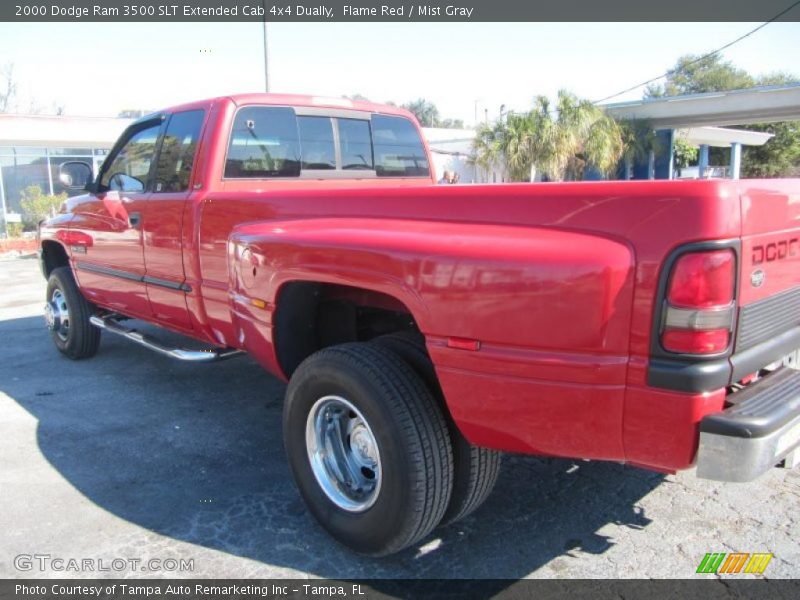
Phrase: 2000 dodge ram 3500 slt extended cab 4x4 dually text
(422,328)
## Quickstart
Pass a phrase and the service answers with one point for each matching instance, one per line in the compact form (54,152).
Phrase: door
(162,217)
(109,261)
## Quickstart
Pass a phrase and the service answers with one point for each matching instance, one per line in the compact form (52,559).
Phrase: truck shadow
(194,453)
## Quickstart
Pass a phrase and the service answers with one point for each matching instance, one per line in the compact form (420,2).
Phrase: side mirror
(74,174)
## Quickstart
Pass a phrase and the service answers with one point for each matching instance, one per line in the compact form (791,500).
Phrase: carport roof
(737,107)
(49,130)
(722,137)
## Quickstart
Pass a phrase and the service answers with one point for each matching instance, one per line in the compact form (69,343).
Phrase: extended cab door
(110,264)
(162,218)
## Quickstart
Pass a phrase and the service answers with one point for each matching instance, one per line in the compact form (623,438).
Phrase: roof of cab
(322,101)
(296,100)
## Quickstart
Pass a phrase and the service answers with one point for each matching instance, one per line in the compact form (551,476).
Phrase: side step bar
(113,326)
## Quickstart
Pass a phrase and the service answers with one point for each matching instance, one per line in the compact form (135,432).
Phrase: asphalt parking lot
(132,455)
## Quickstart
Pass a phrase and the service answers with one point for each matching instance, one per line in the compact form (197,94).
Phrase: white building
(38,150)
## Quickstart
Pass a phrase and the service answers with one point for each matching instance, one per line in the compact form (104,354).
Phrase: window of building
(178,149)
(264,143)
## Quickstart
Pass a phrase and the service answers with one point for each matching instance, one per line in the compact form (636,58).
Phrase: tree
(683,154)
(561,143)
(356,97)
(780,156)
(8,87)
(698,74)
(37,205)
(426,112)
(451,123)
(488,145)
(638,141)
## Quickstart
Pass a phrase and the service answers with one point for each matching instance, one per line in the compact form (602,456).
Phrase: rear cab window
(279,142)
(398,150)
(264,142)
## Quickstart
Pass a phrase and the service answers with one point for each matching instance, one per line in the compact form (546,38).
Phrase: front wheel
(368,448)
(67,316)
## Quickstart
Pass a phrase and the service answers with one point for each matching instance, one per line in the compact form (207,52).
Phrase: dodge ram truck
(425,329)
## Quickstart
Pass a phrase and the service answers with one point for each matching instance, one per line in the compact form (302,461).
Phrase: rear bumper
(760,428)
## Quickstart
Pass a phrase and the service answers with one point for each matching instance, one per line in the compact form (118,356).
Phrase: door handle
(135,219)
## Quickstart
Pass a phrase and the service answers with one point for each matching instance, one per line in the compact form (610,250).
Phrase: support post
(49,171)
(3,202)
(702,164)
(736,160)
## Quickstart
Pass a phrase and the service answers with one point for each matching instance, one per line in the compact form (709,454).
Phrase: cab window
(264,143)
(398,150)
(177,152)
(355,141)
(317,147)
(130,168)
(270,141)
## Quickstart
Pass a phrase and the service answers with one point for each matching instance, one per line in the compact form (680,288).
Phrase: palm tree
(639,140)
(488,146)
(559,142)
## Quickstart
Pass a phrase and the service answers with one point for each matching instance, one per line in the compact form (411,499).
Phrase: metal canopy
(722,137)
(765,104)
(46,130)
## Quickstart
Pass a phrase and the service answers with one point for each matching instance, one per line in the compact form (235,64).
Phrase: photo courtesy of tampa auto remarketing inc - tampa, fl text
(372,300)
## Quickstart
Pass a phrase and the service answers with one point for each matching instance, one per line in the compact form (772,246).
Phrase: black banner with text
(397,10)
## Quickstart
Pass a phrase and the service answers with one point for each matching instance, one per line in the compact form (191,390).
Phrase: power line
(704,56)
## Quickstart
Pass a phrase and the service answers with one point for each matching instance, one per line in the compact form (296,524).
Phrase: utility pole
(266,54)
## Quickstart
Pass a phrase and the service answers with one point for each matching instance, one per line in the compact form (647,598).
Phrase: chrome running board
(111,325)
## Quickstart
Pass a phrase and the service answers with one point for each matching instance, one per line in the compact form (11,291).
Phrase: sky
(466,69)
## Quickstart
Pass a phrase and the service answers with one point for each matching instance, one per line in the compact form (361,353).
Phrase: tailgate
(769,270)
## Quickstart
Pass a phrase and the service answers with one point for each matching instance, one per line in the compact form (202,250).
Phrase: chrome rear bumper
(759,429)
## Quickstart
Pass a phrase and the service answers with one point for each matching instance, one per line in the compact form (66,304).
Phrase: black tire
(475,469)
(79,339)
(410,433)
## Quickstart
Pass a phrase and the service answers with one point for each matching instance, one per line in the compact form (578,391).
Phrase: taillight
(699,310)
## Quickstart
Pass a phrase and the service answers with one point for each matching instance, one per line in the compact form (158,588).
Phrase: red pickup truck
(422,328)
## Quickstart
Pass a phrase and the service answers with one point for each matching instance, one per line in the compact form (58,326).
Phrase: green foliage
(37,206)
(561,143)
(695,75)
(701,74)
(451,123)
(14,229)
(639,139)
(780,156)
(683,154)
(428,114)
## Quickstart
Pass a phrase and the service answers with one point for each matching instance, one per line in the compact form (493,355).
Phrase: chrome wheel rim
(56,315)
(343,453)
